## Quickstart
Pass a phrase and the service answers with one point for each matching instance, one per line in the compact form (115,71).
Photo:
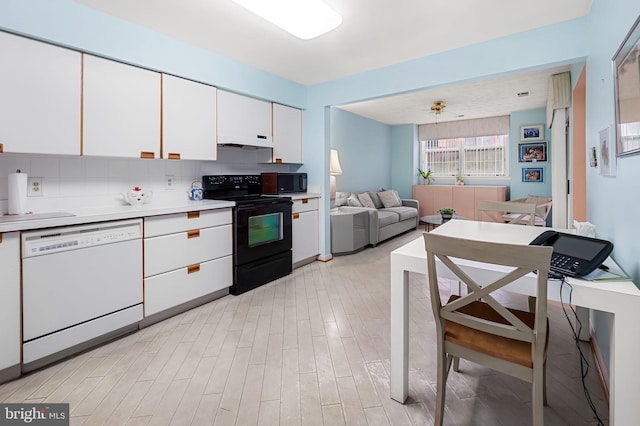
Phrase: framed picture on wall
(532,152)
(532,132)
(533,174)
(607,148)
(626,77)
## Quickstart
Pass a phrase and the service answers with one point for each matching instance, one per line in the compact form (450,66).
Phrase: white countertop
(102,213)
(63,215)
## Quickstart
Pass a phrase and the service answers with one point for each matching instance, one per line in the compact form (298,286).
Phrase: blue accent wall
(364,147)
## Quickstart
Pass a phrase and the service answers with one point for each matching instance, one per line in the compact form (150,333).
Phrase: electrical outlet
(168,182)
(35,187)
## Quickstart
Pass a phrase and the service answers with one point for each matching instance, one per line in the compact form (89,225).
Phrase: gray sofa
(388,217)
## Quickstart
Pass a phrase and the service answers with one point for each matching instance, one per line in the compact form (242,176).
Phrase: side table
(349,231)
(434,220)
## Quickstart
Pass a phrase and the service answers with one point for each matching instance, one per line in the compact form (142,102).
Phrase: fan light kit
(304,19)
(438,107)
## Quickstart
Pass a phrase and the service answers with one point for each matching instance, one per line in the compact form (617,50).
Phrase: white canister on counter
(17,201)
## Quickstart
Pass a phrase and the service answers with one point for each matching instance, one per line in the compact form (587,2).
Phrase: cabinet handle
(193,268)
(278,160)
(0,238)
(261,136)
(193,215)
(194,233)
(296,215)
(147,154)
(1,149)
(174,156)
(305,201)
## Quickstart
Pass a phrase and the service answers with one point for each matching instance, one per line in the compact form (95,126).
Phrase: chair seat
(511,350)
(538,221)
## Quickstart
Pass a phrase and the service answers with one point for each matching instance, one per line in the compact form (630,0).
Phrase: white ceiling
(374,34)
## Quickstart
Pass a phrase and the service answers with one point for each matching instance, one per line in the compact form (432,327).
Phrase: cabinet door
(442,197)
(243,120)
(188,119)
(121,109)
(464,201)
(287,134)
(304,233)
(39,97)
(424,194)
(10,300)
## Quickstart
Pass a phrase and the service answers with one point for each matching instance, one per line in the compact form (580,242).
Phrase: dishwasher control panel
(54,240)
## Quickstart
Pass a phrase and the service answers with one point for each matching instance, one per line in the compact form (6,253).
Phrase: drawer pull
(193,215)
(0,238)
(193,268)
(296,215)
(174,156)
(194,233)
(278,160)
(1,148)
(305,201)
(147,154)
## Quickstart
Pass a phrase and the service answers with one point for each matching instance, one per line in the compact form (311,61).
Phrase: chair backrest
(494,211)
(523,259)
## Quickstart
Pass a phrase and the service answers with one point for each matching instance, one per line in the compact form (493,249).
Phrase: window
(471,156)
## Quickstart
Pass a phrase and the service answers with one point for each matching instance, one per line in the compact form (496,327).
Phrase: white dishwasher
(80,285)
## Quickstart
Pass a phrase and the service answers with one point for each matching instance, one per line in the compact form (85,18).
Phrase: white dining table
(621,298)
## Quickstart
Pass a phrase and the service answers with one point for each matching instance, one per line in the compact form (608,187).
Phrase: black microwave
(283,183)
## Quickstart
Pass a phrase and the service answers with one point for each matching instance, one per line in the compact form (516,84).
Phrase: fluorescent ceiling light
(304,19)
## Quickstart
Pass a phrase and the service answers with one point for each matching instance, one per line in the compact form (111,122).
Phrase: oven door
(262,230)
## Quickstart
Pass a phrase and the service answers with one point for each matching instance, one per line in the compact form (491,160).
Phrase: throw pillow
(366,200)
(389,198)
(341,198)
(353,201)
(375,199)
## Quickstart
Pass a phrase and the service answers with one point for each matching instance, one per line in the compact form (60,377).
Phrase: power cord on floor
(584,364)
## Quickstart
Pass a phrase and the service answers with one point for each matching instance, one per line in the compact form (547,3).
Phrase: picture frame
(533,174)
(626,78)
(531,132)
(607,150)
(535,152)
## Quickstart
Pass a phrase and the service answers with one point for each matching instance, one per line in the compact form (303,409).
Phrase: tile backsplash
(67,181)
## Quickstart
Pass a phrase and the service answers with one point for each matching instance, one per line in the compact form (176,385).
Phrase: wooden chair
(543,208)
(486,332)
(496,211)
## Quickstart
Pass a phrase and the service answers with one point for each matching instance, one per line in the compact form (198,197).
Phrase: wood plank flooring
(309,349)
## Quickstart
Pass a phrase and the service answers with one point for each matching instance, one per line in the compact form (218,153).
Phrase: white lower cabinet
(10,304)
(186,256)
(304,230)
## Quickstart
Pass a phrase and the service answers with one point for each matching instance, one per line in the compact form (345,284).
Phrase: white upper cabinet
(188,119)
(287,134)
(243,120)
(121,110)
(39,97)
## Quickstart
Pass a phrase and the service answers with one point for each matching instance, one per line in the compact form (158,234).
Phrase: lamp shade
(334,163)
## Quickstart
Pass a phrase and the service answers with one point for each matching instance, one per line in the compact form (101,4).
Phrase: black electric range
(261,229)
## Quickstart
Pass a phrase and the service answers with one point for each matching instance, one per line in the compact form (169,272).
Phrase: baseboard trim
(600,367)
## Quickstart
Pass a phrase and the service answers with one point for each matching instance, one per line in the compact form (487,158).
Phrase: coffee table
(434,220)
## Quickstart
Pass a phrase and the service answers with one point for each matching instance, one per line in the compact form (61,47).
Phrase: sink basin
(33,216)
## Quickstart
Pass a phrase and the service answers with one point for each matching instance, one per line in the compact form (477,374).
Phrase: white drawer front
(164,291)
(304,205)
(168,252)
(179,222)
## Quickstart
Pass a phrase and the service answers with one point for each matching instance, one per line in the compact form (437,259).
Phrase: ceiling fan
(438,107)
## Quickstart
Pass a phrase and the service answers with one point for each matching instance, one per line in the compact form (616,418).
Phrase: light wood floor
(311,348)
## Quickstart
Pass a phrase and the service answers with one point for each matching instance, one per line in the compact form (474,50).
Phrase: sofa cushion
(386,218)
(376,200)
(366,201)
(404,212)
(341,198)
(353,201)
(389,198)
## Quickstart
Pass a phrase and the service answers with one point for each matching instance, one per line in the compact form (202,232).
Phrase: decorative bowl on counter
(137,196)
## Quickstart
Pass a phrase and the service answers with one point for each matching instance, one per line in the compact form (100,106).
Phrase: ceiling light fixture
(304,19)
